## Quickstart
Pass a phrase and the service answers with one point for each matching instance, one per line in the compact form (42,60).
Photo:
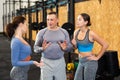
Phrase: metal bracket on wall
(80,1)
(100,1)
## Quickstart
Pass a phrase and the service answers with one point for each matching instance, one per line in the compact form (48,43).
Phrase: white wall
(1,14)
(16,7)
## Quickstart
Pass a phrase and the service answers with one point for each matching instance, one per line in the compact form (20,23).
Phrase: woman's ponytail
(10,30)
(11,27)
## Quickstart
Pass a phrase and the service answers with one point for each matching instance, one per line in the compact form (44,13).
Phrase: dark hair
(11,27)
(50,13)
(86,17)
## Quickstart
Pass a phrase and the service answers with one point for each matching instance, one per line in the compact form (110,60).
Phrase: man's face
(52,20)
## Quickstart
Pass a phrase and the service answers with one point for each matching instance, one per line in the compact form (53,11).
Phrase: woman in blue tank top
(83,40)
(20,49)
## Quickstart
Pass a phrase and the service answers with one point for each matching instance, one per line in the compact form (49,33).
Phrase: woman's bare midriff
(85,54)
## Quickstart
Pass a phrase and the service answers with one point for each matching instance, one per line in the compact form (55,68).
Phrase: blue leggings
(19,73)
(86,69)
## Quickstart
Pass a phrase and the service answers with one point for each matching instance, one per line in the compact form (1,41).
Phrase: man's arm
(38,42)
(69,45)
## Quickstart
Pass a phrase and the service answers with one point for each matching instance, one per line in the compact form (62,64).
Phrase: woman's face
(25,27)
(80,22)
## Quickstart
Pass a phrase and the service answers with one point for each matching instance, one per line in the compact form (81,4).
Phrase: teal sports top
(84,45)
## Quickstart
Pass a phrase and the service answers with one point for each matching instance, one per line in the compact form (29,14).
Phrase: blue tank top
(84,45)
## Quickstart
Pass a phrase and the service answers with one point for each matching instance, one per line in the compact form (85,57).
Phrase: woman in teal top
(20,49)
(83,40)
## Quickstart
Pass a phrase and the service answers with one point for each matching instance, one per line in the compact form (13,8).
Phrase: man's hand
(63,45)
(45,44)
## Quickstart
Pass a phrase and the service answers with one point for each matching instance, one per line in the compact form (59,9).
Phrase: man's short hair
(53,13)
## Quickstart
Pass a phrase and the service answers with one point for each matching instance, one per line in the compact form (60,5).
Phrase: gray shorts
(53,69)
(19,73)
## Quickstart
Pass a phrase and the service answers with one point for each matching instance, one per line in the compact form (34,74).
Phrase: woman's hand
(38,64)
(74,43)
(92,57)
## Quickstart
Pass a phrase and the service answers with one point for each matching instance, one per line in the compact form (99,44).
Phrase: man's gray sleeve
(69,45)
(38,42)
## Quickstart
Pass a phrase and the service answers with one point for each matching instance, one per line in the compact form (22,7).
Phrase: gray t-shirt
(54,50)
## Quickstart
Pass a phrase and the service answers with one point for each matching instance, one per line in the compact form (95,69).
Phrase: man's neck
(53,28)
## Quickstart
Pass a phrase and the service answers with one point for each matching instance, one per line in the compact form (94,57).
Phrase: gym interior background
(105,15)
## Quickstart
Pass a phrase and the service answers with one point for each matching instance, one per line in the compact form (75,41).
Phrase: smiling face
(52,21)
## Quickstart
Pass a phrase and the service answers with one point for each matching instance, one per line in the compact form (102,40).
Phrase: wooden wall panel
(33,20)
(27,35)
(105,20)
(40,17)
(62,15)
(34,17)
